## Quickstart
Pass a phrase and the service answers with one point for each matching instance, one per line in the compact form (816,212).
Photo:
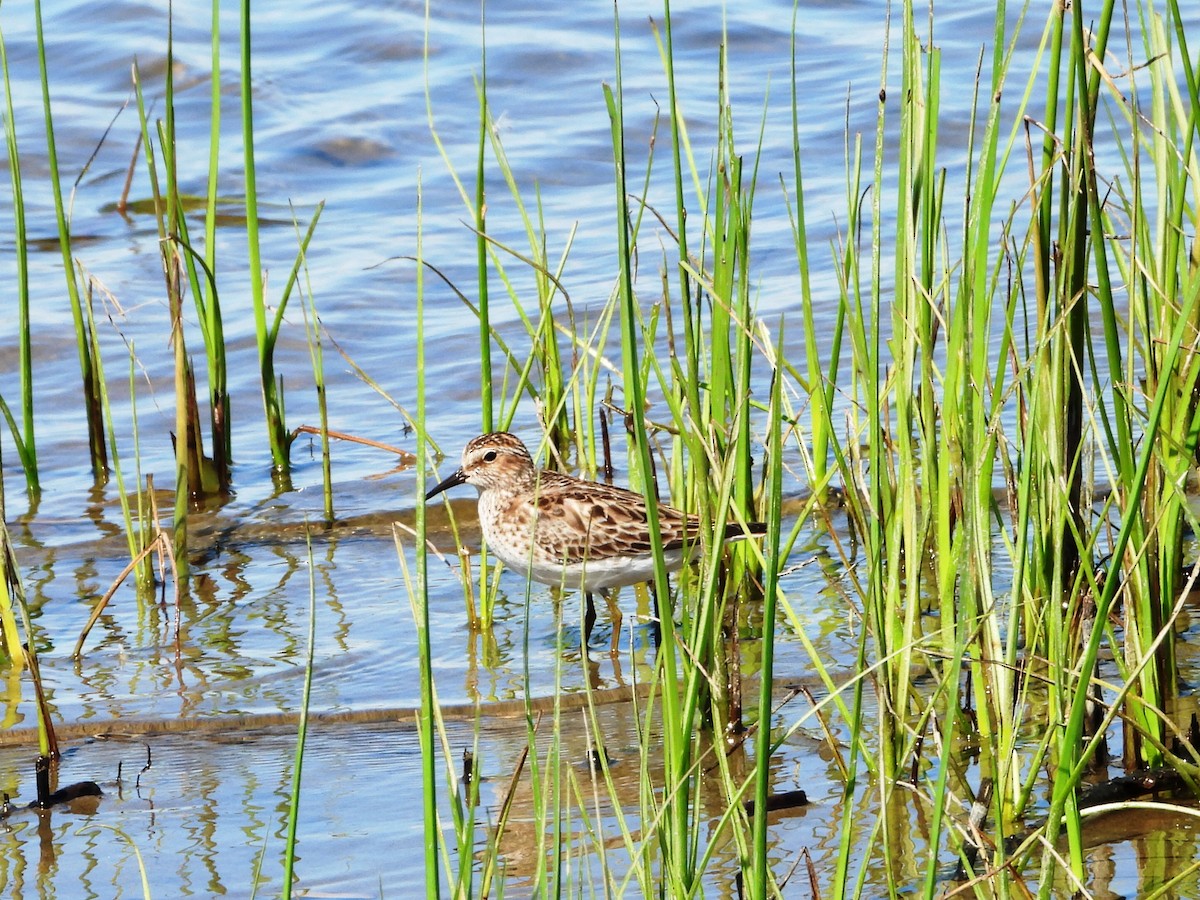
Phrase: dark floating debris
(45,797)
(597,759)
(1135,784)
(469,769)
(74,792)
(783,800)
(63,795)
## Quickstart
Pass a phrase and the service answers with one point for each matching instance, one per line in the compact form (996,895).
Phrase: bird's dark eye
(490,456)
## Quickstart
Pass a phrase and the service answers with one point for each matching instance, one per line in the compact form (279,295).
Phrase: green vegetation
(23,434)
(1021,382)
(91,385)
(995,420)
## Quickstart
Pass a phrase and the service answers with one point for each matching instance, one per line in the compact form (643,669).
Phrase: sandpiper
(561,530)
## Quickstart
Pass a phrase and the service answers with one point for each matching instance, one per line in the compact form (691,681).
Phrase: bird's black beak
(459,477)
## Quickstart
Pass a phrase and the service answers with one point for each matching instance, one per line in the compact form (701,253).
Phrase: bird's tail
(735,532)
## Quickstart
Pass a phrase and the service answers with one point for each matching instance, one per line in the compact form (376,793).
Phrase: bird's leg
(656,625)
(614,613)
(589,619)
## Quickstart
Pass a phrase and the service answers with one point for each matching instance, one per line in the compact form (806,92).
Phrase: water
(340,116)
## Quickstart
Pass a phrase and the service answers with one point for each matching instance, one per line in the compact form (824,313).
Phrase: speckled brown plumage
(561,530)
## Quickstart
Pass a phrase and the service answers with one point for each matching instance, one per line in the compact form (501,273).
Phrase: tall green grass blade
(674,837)
(312,328)
(675,834)
(136,531)
(278,438)
(91,389)
(421,602)
(764,744)
(23,437)
(189,452)
(293,818)
(208,304)
(822,381)
(481,245)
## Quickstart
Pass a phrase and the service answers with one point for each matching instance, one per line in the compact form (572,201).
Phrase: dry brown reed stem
(406,456)
(161,543)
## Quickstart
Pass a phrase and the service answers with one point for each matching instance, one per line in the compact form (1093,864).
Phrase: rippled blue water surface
(341,117)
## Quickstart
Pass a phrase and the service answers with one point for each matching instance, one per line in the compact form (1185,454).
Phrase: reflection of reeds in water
(22,655)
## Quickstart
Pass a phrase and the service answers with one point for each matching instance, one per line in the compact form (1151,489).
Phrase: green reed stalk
(858,512)
(207,303)
(764,744)
(882,526)
(293,819)
(463,790)
(183,465)
(312,328)
(23,436)
(1039,511)
(1038,598)
(272,390)
(135,533)
(546,353)
(206,476)
(170,274)
(481,244)
(546,780)
(717,429)
(477,206)
(672,833)
(713,425)
(425,723)
(1178,168)
(1060,538)
(464,808)
(896,612)
(878,492)
(146,511)
(822,382)
(190,463)
(717,443)
(966,508)
(691,380)
(91,389)
(193,472)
